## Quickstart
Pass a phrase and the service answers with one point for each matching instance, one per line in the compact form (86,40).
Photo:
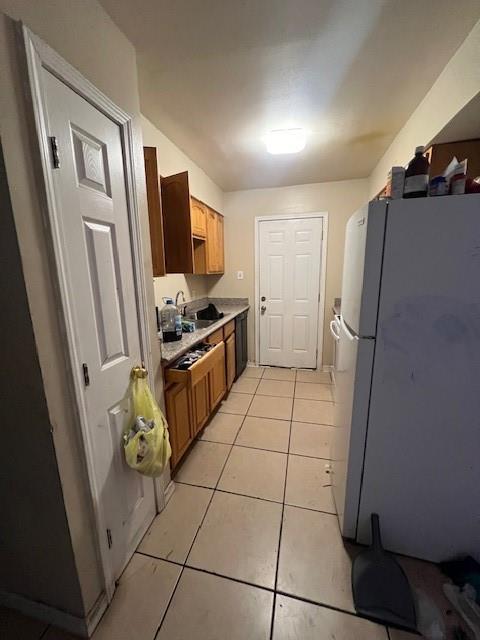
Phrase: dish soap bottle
(170,321)
(416,175)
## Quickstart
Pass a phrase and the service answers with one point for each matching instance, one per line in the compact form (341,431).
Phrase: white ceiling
(216,75)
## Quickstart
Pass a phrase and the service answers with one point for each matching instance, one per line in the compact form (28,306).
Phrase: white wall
(458,83)
(172,160)
(339,199)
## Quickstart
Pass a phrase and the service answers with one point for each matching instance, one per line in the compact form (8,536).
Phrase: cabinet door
(211,241)
(177,226)
(220,261)
(179,420)
(154,211)
(217,379)
(230,359)
(200,404)
(199,218)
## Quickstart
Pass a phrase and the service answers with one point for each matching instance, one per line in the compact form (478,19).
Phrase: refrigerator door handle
(333,325)
(350,335)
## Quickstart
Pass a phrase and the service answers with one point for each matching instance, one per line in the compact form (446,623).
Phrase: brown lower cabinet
(179,421)
(191,395)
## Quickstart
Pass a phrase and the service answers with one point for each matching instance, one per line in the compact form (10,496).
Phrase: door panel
(105,283)
(201,404)
(179,420)
(290,259)
(93,220)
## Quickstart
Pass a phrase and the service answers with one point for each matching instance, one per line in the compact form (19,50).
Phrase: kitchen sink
(203,324)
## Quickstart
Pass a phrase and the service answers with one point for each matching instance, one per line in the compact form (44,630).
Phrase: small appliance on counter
(210,313)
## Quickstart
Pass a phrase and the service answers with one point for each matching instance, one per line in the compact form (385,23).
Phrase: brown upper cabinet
(198,218)
(215,254)
(154,211)
(191,243)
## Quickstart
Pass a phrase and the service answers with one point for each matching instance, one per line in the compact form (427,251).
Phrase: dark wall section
(36,556)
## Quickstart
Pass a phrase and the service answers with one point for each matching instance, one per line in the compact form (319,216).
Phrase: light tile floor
(248,547)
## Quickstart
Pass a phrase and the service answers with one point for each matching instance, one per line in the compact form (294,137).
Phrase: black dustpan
(380,588)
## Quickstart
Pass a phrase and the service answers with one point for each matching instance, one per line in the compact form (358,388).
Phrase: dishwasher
(241,349)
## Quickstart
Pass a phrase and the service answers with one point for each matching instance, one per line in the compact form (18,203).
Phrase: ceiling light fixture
(285,141)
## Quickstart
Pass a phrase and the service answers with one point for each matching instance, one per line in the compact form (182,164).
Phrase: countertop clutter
(231,307)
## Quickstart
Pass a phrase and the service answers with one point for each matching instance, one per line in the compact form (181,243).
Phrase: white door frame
(323,272)
(40,56)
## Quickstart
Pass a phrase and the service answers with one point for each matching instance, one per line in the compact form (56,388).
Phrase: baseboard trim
(46,613)
(96,612)
(169,491)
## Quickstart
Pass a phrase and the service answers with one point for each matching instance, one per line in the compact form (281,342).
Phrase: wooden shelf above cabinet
(154,211)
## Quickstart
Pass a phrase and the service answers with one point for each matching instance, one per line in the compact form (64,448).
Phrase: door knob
(138,372)
(263,308)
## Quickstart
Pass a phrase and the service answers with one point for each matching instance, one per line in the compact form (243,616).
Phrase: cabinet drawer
(228,329)
(215,337)
(198,370)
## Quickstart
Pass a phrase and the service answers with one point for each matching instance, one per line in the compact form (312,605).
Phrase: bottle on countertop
(170,321)
(416,175)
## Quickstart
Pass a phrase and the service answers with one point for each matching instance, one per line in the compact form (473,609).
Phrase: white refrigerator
(407,394)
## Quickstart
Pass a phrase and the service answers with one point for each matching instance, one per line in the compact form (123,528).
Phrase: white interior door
(93,219)
(289,284)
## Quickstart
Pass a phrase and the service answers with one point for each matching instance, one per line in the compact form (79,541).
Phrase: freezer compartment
(352,393)
(362,266)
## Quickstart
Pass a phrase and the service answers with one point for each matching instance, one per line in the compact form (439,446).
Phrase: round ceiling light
(281,141)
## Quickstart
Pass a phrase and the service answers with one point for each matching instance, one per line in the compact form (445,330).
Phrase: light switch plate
(239,275)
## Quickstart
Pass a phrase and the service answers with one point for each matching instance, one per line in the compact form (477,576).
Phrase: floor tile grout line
(194,539)
(174,590)
(154,557)
(191,546)
(274,604)
(183,566)
(263,417)
(320,604)
(246,446)
(245,495)
(231,578)
(280,592)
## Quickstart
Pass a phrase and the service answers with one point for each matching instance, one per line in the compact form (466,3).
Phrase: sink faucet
(183,299)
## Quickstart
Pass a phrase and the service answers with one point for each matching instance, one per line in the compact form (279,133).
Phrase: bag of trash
(145,440)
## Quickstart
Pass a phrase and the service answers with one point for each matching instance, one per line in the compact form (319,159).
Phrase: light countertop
(173,350)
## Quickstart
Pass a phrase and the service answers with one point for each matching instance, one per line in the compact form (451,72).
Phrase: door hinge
(55,154)
(319,297)
(86,377)
(109,538)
